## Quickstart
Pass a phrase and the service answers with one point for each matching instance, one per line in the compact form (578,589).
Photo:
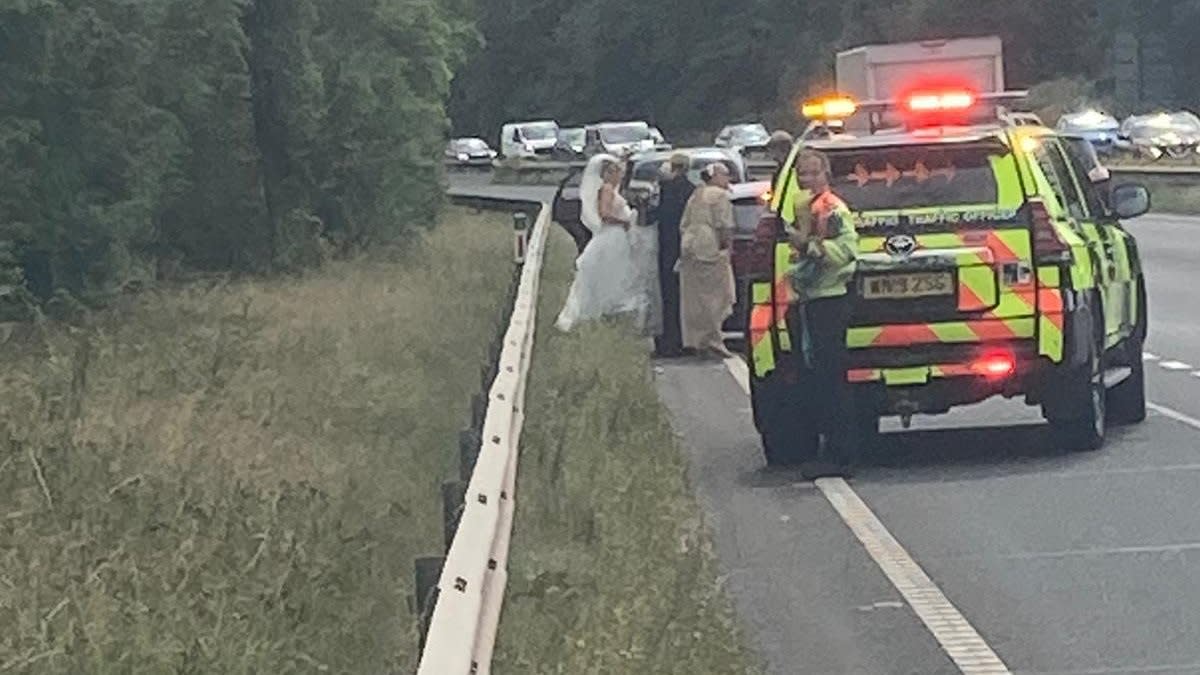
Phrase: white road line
(961,642)
(1174,414)
(1147,356)
(1196,373)
(1175,365)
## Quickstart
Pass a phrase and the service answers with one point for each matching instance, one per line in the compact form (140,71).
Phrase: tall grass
(235,477)
(611,569)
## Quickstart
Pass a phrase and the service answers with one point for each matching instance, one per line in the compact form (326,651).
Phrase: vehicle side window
(1082,166)
(1054,166)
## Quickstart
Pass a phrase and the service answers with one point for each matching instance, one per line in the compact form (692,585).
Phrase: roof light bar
(833,108)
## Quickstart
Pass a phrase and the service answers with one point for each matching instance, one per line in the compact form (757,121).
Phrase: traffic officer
(824,251)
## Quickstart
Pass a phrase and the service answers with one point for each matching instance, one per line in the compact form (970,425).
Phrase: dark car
(641,189)
(469,152)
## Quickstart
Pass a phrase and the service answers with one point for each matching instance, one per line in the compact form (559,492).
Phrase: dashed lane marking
(1175,365)
(961,642)
(1147,356)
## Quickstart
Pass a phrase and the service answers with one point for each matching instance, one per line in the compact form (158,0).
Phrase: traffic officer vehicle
(989,264)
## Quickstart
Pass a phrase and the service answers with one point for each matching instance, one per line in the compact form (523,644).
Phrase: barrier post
(520,236)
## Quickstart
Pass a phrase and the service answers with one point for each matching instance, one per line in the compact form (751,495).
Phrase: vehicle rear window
(746,213)
(915,176)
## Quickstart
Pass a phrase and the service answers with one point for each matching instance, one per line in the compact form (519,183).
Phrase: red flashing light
(939,101)
(995,366)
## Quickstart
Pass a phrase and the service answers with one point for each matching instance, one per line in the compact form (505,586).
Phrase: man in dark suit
(674,191)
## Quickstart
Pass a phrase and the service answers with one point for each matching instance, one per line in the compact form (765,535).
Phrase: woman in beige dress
(706,283)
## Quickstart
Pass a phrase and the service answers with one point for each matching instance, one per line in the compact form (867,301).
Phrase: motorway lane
(1065,563)
(1170,247)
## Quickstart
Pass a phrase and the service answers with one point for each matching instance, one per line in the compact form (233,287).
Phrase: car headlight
(462,157)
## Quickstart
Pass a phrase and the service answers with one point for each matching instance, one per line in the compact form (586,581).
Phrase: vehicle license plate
(913,285)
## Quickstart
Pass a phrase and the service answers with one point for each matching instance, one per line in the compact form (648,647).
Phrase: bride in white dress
(607,279)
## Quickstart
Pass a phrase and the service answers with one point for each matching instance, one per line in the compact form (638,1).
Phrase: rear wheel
(1077,414)
(786,439)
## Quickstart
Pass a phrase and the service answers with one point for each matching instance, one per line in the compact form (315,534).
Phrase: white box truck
(884,72)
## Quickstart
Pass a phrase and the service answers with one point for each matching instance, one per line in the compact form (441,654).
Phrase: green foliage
(138,138)
(611,569)
(236,479)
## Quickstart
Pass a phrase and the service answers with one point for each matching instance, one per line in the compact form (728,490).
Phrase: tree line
(142,137)
(693,66)
(139,138)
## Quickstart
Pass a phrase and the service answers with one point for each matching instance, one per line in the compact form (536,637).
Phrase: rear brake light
(1048,244)
(995,366)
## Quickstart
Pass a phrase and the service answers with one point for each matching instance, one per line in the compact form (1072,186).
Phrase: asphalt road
(1065,564)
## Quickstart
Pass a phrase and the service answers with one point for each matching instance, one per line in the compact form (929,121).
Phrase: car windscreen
(752,134)
(574,136)
(538,132)
(626,133)
(1087,122)
(917,176)
(470,145)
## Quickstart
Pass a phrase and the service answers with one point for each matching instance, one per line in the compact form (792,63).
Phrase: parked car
(469,152)
(1174,134)
(570,144)
(748,138)
(617,138)
(1102,130)
(660,141)
(528,140)
(641,188)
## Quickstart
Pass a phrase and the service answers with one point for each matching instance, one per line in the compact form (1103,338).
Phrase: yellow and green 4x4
(990,263)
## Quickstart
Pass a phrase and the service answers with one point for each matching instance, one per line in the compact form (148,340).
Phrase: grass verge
(611,569)
(235,477)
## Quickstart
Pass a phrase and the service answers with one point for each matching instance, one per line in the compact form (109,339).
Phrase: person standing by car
(825,246)
(675,189)
(705,272)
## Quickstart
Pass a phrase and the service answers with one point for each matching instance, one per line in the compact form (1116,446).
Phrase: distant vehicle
(1174,134)
(885,72)
(528,140)
(469,152)
(641,188)
(660,141)
(1102,130)
(749,138)
(617,138)
(569,145)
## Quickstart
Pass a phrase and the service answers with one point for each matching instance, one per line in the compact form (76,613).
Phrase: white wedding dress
(608,281)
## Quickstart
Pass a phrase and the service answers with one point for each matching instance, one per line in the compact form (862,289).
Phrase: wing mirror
(1130,200)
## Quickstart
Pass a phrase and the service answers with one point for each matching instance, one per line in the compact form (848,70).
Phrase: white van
(528,139)
(618,138)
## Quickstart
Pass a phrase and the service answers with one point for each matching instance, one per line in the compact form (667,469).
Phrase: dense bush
(137,138)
